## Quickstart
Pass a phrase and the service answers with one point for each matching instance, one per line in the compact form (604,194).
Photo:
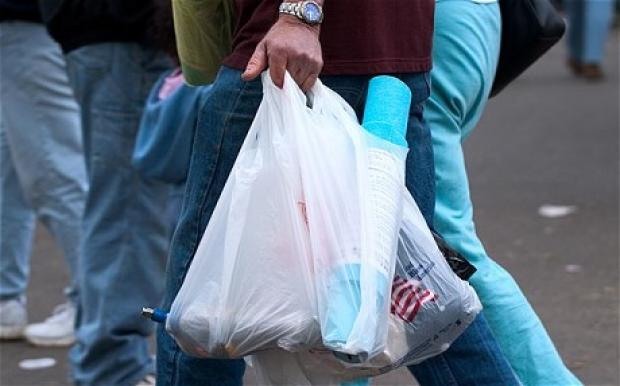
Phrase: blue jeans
(125,230)
(222,126)
(474,359)
(42,169)
(588,29)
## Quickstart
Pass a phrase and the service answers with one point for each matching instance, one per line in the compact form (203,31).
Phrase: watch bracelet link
(290,8)
(296,8)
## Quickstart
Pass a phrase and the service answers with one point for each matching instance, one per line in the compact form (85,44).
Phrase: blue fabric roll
(387,109)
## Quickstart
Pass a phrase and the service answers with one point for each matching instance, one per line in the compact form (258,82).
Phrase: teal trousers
(466,50)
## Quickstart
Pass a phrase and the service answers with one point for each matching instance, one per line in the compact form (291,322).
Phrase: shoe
(592,71)
(148,380)
(56,331)
(589,71)
(13,318)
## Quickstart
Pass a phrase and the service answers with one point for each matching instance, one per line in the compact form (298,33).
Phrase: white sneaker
(13,318)
(55,331)
(148,380)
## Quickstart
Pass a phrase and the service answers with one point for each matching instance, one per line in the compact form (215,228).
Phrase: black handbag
(459,264)
(529,29)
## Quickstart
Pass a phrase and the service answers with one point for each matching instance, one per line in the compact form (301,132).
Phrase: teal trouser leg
(466,47)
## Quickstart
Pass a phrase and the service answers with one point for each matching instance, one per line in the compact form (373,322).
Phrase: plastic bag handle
(313,99)
(288,90)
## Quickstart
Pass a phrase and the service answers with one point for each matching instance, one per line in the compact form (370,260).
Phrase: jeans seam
(498,368)
(174,365)
(448,370)
(34,199)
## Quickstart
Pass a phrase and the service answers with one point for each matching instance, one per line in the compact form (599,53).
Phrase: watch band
(299,9)
(290,8)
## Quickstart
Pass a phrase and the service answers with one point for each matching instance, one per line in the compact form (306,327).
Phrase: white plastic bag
(352,185)
(250,285)
(440,308)
(301,246)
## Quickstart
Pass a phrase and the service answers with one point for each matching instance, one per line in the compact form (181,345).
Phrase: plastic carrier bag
(430,308)
(250,285)
(301,247)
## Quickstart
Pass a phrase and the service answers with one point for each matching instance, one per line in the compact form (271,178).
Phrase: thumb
(257,63)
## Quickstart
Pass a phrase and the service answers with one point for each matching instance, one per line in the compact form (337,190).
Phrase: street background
(549,139)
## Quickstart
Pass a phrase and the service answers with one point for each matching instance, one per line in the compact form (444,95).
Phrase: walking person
(588,30)
(112,67)
(42,169)
(346,56)
(466,51)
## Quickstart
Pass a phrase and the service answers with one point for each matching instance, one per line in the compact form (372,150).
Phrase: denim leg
(173,208)
(125,229)
(420,172)
(17,221)
(596,29)
(575,12)
(588,28)
(474,359)
(41,129)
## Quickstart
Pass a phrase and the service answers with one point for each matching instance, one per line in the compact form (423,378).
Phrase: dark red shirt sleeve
(357,36)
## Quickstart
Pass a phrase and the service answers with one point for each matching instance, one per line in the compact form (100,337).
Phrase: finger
(298,72)
(309,82)
(277,68)
(257,63)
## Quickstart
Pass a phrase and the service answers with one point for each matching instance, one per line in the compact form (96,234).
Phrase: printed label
(408,297)
(384,170)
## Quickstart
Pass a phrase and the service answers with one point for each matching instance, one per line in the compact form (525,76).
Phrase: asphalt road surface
(549,139)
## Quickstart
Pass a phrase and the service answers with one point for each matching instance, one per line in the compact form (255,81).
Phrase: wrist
(291,20)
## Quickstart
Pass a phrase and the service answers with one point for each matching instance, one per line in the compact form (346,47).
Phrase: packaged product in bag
(353,282)
(302,246)
(250,285)
(430,308)
(295,225)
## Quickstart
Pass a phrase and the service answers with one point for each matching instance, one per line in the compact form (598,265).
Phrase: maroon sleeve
(357,36)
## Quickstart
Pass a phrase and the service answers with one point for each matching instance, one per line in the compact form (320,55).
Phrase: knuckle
(277,48)
(306,57)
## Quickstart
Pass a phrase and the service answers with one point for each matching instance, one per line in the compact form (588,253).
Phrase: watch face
(312,13)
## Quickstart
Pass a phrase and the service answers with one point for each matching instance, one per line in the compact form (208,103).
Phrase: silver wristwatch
(308,11)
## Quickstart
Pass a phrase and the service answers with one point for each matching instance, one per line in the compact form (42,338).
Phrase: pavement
(548,140)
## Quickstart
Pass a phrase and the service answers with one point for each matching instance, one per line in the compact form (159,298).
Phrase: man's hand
(289,45)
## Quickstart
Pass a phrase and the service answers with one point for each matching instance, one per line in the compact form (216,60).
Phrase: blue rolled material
(387,109)
(385,116)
